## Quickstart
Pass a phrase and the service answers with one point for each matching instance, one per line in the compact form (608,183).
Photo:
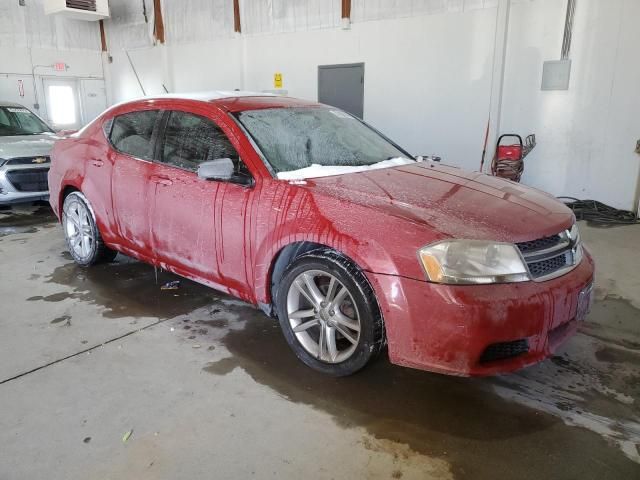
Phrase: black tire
(371,338)
(98,252)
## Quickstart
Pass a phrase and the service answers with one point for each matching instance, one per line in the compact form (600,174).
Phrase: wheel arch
(284,257)
(64,192)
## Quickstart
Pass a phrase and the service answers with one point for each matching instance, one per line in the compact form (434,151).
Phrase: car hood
(452,202)
(26,145)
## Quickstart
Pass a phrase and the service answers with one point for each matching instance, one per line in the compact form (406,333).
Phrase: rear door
(199,225)
(133,137)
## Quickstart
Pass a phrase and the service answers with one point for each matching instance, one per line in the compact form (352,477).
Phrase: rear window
(132,133)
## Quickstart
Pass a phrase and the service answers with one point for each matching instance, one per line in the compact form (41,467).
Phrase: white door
(94,98)
(63,105)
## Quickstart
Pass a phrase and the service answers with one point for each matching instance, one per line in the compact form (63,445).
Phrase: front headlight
(473,262)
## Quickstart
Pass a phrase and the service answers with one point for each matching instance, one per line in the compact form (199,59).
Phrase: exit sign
(60,66)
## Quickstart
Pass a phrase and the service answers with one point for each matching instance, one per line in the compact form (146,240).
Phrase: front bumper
(9,194)
(448,328)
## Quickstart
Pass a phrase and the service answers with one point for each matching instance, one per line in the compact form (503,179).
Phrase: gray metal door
(342,86)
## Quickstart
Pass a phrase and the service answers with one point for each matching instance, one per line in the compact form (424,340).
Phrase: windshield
(310,139)
(20,121)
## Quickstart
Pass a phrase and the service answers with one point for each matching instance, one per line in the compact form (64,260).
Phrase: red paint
(228,236)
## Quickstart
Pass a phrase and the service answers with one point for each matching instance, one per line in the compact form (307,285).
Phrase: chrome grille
(548,266)
(549,257)
(539,244)
(32,180)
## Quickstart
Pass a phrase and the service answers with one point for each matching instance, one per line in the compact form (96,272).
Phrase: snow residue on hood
(315,170)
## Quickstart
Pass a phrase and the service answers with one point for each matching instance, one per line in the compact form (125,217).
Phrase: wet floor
(573,416)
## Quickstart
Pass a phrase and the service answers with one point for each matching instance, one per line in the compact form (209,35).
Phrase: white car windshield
(20,121)
(311,142)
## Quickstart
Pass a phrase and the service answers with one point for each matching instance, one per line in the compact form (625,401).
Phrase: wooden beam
(103,37)
(158,24)
(346,8)
(236,16)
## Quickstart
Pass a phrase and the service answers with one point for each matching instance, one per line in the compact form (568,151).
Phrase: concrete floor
(208,388)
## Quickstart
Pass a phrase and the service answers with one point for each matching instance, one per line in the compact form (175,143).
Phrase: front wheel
(81,232)
(329,314)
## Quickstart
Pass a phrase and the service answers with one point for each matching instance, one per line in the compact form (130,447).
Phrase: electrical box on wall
(91,10)
(555,75)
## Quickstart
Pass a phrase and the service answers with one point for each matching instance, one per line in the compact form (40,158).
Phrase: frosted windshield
(299,138)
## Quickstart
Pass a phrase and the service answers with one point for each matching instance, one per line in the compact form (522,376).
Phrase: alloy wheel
(323,316)
(79,229)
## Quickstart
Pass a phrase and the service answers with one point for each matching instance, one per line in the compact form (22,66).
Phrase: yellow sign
(277,80)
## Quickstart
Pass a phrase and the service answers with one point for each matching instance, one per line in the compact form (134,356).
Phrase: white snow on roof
(208,96)
(200,96)
(315,170)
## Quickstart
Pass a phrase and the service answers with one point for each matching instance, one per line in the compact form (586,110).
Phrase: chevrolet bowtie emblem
(39,160)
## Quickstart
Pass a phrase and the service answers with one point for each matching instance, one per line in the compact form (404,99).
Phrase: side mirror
(218,169)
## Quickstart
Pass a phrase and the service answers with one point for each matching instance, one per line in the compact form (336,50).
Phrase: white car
(25,144)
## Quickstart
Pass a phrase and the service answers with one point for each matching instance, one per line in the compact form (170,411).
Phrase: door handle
(96,163)
(161,180)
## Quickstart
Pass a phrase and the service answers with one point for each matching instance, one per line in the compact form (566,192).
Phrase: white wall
(16,64)
(30,38)
(587,134)
(429,74)
(427,78)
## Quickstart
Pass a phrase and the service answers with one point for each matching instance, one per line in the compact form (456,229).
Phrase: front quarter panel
(376,242)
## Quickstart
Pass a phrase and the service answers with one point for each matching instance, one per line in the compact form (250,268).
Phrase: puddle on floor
(480,434)
(594,382)
(462,421)
(127,288)
(26,219)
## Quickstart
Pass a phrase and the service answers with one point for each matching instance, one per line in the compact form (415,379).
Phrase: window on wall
(62,105)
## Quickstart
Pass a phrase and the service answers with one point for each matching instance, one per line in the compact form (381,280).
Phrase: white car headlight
(473,262)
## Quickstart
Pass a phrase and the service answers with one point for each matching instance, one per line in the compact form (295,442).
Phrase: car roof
(10,104)
(231,101)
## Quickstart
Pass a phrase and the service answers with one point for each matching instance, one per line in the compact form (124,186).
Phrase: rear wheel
(81,232)
(329,314)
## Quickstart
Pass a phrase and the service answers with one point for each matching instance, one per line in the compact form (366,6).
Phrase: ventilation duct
(91,10)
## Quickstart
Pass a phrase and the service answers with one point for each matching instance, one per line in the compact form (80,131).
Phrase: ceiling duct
(91,10)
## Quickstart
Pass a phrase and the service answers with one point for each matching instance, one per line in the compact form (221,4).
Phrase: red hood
(452,202)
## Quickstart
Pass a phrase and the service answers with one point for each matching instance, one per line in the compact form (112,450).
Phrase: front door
(199,225)
(63,104)
(132,136)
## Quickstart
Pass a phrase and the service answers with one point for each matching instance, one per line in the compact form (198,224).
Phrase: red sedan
(326,224)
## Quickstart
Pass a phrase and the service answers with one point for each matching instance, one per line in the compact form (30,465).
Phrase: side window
(191,139)
(131,133)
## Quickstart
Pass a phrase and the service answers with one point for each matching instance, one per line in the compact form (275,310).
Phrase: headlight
(473,262)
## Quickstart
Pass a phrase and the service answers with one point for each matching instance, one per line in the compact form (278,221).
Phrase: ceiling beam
(103,37)
(346,8)
(158,24)
(236,16)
